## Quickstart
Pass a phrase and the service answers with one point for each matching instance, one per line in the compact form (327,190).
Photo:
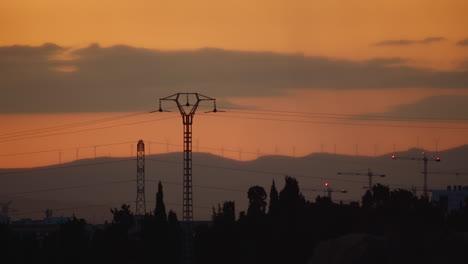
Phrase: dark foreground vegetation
(388,226)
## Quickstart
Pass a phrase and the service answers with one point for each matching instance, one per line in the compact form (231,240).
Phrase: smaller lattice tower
(140,208)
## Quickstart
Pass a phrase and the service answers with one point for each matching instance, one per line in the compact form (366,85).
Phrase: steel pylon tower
(187,103)
(140,208)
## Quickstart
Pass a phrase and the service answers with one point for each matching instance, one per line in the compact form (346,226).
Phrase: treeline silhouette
(388,226)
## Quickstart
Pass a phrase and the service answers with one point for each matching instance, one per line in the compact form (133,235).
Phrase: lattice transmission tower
(187,103)
(140,208)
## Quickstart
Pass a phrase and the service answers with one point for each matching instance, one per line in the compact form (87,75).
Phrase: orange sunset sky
(356,77)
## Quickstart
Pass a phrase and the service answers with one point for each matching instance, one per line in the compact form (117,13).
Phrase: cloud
(29,53)
(124,78)
(438,107)
(403,42)
(463,42)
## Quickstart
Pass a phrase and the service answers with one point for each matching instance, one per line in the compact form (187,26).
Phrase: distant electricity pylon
(369,174)
(140,208)
(425,160)
(187,111)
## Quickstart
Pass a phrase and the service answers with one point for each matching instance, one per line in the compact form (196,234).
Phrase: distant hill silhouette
(216,179)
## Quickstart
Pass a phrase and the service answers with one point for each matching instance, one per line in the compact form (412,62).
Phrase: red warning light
(437,159)
(326,184)
(423,153)
(393,157)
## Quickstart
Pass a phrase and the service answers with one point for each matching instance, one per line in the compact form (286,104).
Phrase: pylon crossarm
(202,97)
(170,97)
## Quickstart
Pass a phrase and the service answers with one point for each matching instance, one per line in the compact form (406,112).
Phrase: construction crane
(425,159)
(328,190)
(453,173)
(369,174)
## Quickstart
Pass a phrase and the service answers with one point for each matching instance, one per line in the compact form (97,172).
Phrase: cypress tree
(160,210)
(273,205)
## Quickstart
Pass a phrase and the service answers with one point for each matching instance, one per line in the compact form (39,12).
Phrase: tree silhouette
(401,198)
(161,233)
(391,226)
(290,197)
(367,199)
(172,218)
(73,230)
(377,197)
(160,210)
(122,217)
(257,203)
(380,194)
(174,239)
(226,214)
(220,241)
(273,205)
(73,240)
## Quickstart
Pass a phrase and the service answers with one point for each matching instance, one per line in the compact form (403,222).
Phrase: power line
(349,116)
(200,186)
(173,204)
(52,128)
(345,117)
(167,161)
(339,123)
(65,167)
(84,130)
(222,188)
(201,147)
(99,184)
(116,182)
(258,171)
(64,188)
(336,157)
(63,149)
(100,205)
(162,143)
(76,207)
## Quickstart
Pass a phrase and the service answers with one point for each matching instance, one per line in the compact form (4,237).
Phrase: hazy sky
(355,77)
